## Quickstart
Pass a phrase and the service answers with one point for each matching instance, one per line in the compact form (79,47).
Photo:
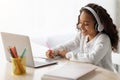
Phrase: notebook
(21,42)
(69,71)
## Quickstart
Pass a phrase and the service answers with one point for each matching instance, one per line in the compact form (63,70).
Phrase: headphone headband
(100,26)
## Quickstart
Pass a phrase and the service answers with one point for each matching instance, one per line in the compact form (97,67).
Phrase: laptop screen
(20,42)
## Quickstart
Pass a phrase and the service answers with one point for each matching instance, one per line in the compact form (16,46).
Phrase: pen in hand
(55,55)
(48,45)
(50,50)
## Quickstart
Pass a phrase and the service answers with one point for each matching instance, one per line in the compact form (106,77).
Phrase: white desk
(36,73)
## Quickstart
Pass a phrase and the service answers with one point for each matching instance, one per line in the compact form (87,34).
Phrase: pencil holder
(18,66)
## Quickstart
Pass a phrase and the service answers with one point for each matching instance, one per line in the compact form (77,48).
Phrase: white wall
(118,13)
(36,17)
(44,17)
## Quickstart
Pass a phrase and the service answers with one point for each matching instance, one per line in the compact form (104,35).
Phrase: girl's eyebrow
(86,21)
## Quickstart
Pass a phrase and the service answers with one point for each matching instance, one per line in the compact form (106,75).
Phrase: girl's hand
(62,53)
(50,54)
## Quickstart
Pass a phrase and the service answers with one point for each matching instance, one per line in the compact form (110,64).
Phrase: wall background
(38,18)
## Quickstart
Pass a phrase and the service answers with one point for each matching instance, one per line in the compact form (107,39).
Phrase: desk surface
(37,73)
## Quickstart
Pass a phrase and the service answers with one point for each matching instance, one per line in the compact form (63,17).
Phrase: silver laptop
(21,42)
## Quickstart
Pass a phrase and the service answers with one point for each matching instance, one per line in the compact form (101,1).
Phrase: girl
(97,37)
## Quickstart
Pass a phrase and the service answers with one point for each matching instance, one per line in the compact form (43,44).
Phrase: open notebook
(69,71)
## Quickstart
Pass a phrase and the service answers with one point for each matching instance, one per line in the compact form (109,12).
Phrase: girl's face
(86,24)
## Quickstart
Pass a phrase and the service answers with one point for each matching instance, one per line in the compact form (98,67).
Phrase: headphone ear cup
(96,27)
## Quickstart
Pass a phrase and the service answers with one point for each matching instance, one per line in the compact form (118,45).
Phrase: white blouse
(97,51)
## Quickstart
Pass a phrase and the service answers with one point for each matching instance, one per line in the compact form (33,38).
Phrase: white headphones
(99,27)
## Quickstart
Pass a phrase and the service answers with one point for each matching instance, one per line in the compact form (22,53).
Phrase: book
(69,71)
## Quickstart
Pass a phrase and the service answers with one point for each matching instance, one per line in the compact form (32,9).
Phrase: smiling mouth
(84,31)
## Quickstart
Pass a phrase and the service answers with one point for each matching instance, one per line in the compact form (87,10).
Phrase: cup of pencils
(18,63)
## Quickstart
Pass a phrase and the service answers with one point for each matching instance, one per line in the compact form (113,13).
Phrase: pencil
(14,52)
(11,53)
(23,53)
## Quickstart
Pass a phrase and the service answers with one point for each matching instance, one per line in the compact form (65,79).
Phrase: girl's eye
(86,23)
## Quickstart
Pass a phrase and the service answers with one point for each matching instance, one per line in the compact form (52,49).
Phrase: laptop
(21,42)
